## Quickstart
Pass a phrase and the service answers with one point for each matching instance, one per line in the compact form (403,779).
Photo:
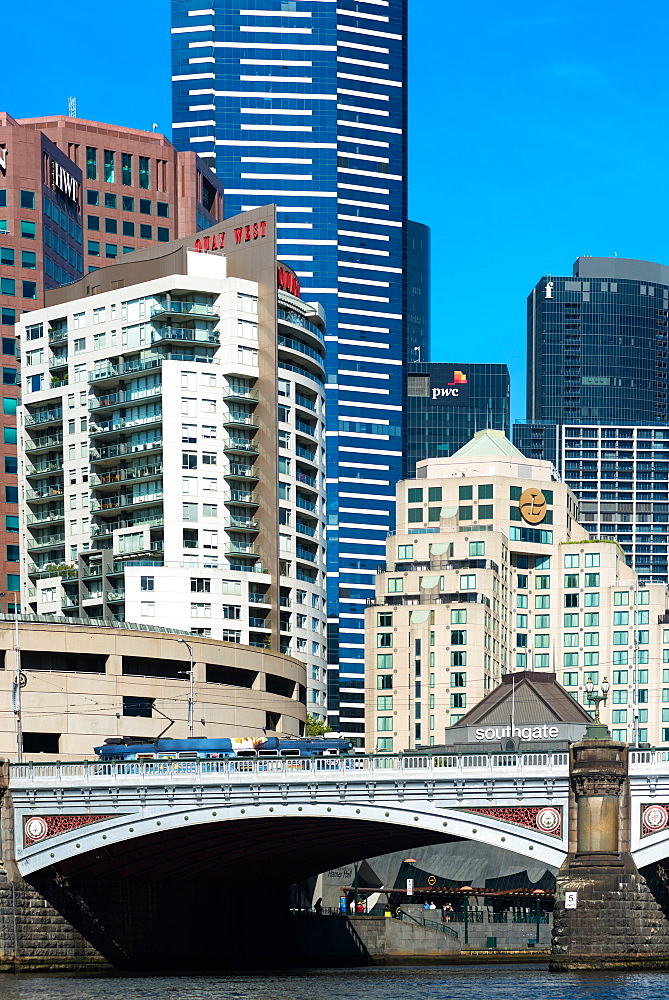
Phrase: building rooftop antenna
(72,107)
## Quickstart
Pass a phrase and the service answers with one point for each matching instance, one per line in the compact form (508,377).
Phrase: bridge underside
(252,852)
(216,896)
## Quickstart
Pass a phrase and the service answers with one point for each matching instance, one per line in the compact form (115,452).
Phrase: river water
(530,982)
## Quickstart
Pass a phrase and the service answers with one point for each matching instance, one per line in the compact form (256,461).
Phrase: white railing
(439,765)
(644,760)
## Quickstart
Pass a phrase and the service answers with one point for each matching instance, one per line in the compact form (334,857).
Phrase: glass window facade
(303,121)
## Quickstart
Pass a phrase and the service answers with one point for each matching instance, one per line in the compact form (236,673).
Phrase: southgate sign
(539,732)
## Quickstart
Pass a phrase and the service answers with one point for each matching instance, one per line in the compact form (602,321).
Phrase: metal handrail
(429,924)
(162,769)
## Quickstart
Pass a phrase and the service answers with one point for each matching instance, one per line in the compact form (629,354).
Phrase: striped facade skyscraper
(303,103)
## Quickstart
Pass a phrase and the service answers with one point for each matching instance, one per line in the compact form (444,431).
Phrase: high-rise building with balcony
(172,442)
(303,103)
(75,195)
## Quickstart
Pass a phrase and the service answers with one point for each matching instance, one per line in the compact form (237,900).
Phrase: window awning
(419,617)
(439,549)
(428,582)
(449,511)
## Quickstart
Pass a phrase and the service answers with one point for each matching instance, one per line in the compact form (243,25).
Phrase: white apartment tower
(172,442)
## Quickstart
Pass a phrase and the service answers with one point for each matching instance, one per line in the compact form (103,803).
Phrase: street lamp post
(597,731)
(191,692)
(467,889)
(410,878)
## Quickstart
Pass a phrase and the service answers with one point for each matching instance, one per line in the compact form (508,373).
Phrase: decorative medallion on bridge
(36,828)
(653,819)
(546,819)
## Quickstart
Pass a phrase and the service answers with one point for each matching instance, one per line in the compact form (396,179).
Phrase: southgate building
(491,572)
(303,103)
(75,195)
(157,486)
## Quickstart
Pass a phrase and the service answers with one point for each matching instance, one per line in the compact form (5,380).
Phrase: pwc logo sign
(454,392)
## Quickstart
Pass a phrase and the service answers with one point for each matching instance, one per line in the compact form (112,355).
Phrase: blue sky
(534,137)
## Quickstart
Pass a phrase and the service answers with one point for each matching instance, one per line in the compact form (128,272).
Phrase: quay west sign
(240,234)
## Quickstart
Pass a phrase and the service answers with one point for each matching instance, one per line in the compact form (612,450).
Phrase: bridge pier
(607,914)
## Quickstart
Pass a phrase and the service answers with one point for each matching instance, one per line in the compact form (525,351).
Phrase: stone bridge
(115,847)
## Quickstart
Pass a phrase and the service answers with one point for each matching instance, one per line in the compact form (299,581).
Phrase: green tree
(316,726)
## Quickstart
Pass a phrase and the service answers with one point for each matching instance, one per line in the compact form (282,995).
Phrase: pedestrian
(318,906)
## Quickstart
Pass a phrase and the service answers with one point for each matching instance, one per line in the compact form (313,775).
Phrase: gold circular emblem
(532,506)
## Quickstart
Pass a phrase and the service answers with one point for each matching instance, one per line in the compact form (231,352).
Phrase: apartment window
(458,616)
(147,583)
(465,513)
(109,172)
(210,509)
(476,549)
(384,723)
(190,512)
(571,580)
(162,234)
(145,207)
(591,559)
(91,163)
(485,491)
(542,582)
(571,561)
(163,209)
(144,172)
(148,609)
(404,552)
(458,637)
(621,597)
(29,259)
(542,621)
(384,619)
(468,582)
(465,493)
(209,458)
(458,679)
(232,611)
(8,257)
(592,579)
(591,600)
(415,515)
(200,610)
(145,231)
(395,585)
(384,639)
(590,659)
(570,660)
(28,230)
(200,585)
(458,700)
(189,460)
(126,169)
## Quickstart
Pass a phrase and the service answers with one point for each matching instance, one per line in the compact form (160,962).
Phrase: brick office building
(76,195)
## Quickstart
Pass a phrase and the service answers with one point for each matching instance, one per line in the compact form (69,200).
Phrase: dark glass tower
(597,344)
(597,398)
(418,292)
(448,403)
(302,103)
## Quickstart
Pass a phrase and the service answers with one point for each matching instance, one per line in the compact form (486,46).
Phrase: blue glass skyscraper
(303,103)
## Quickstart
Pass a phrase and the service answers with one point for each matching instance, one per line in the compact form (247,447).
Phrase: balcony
(305,504)
(304,427)
(57,335)
(234,393)
(241,548)
(143,519)
(306,453)
(44,572)
(183,307)
(115,476)
(298,320)
(44,468)
(48,416)
(58,359)
(123,396)
(58,381)
(261,623)
(305,403)
(242,497)
(123,500)
(167,333)
(302,477)
(45,541)
(259,598)
(242,523)
(43,514)
(241,446)
(306,529)
(44,442)
(305,554)
(45,493)
(297,345)
(106,452)
(110,372)
(117,424)
(115,595)
(241,472)
(240,420)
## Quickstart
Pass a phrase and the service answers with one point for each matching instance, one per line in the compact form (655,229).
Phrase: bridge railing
(649,760)
(442,765)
